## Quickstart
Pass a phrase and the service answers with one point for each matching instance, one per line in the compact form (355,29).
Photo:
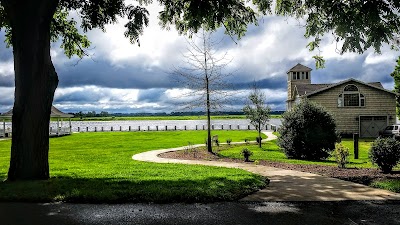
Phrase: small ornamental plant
(341,154)
(385,153)
(228,141)
(246,154)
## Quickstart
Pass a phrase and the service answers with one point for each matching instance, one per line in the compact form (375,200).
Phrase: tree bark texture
(35,83)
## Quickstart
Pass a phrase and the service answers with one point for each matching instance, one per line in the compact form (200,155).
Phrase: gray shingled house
(358,107)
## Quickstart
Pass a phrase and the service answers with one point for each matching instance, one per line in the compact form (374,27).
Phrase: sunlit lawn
(97,167)
(270,151)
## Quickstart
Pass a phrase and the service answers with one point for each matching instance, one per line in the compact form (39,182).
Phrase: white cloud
(7,68)
(264,54)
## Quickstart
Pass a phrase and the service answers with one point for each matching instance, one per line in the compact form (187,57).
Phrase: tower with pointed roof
(299,74)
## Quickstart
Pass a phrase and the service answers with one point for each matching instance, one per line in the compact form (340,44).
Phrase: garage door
(371,125)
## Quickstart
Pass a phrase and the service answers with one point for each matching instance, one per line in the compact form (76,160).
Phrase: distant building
(54,113)
(358,107)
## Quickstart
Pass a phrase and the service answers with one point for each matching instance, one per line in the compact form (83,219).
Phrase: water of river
(163,125)
(135,125)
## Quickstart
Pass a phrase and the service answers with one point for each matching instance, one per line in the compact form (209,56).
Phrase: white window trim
(341,97)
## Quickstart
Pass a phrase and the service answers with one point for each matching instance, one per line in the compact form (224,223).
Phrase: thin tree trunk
(35,84)
(209,141)
(259,134)
(209,147)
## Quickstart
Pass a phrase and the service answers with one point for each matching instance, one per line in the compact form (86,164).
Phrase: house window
(298,75)
(294,75)
(306,75)
(351,97)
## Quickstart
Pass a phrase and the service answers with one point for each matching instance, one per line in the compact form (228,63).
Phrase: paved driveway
(232,213)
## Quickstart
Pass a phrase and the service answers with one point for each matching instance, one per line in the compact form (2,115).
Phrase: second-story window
(351,97)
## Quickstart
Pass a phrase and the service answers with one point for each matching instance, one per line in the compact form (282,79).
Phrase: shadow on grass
(110,190)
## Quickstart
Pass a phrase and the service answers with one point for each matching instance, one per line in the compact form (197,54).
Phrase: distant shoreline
(219,117)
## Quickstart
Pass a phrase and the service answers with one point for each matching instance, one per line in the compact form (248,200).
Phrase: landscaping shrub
(228,141)
(385,152)
(246,154)
(341,154)
(308,131)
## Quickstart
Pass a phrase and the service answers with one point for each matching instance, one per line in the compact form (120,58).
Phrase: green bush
(228,141)
(341,154)
(246,154)
(385,152)
(308,131)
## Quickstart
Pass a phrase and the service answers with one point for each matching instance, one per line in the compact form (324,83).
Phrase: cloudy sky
(121,77)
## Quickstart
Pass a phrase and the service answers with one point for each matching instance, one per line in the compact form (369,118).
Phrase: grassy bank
(220,117)
(97,167)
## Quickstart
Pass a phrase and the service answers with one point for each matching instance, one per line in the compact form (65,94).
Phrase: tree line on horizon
(82,114)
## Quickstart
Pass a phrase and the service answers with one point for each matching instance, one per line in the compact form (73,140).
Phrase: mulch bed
(357,175)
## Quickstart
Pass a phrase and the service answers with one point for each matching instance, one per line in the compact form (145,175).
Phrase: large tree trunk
(35,84)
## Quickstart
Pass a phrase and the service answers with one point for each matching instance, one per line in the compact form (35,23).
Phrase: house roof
(55,113)
(299,68)
(303,89)
(311,89)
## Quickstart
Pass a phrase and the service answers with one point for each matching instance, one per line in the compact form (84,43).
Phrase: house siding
(377,103)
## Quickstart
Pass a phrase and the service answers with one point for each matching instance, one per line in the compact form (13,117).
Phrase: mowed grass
(389,184)
(270,151)
(98,167)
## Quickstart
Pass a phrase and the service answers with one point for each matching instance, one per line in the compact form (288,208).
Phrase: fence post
(79,129)
(95,129)
(230,127)
(238,127)
(129,128)
(212,127)
(175,127)
(138,128)
(102,128)
(157,128)
(148,128)
(355,139)
(112,129)
(196,127)
(87,129)
(222,127)
(120,128)
(185,127)
(248,126)
(203,126)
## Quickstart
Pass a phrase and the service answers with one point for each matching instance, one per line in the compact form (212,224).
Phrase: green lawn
(389,184)
(97,167)
(270,151)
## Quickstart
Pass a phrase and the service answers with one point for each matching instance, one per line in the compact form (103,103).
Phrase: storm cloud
(123,77)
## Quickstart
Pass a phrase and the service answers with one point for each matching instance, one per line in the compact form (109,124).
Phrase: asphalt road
(326,213)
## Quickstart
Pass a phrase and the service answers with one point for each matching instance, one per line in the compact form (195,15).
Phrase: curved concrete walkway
(286,185)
